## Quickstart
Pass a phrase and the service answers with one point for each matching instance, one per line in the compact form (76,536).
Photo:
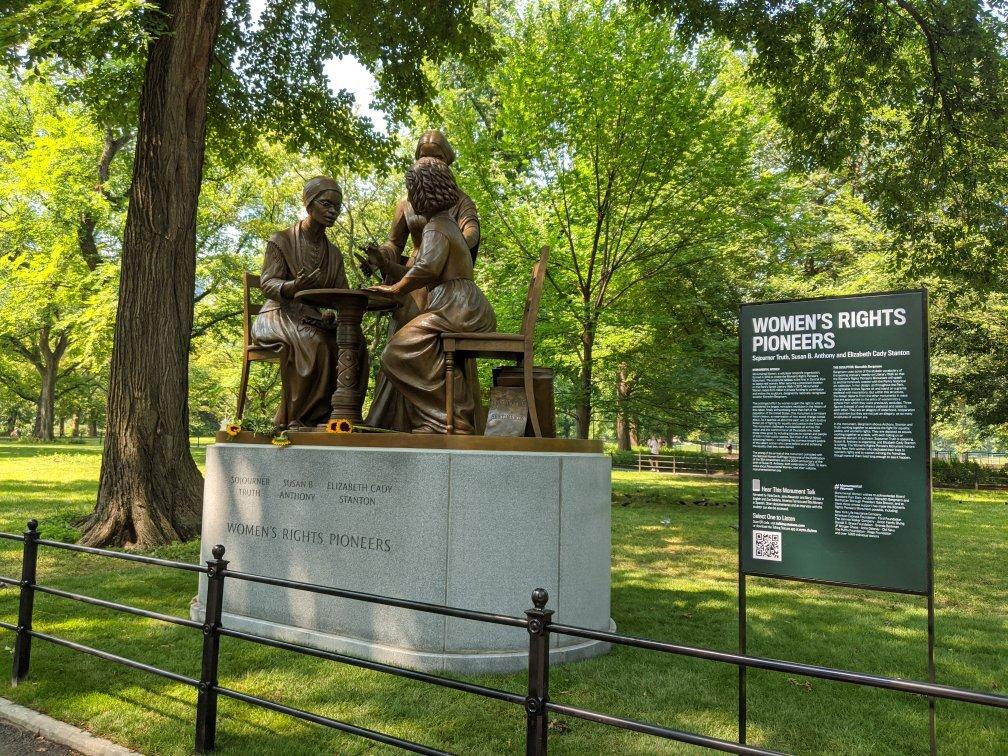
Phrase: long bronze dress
(413,360)
(308,355)
(388,407)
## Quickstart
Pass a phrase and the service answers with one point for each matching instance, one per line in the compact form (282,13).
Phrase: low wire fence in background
(538,622)
(689,464)
(976,470)
(985,458)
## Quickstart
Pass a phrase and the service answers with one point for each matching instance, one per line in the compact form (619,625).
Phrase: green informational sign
(834,443)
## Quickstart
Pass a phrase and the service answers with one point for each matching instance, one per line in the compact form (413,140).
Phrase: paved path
(19,724)
(17,742)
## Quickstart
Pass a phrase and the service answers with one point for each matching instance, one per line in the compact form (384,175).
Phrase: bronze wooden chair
(251,353)
(506,346)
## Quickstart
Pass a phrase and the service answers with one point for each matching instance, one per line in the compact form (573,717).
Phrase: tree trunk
(62,427)
(634,439)
(93,425)
(75,424)
(12,419)
(623,440)
(45,418)
(150,491)
(47,365)
(622,432)
(583,407)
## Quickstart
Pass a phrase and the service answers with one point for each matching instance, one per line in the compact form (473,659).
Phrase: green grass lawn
(674,582)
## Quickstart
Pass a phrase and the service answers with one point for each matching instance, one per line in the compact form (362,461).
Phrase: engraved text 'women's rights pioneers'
(311,537)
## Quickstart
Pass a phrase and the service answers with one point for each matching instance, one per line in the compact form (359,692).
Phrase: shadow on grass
(674,578)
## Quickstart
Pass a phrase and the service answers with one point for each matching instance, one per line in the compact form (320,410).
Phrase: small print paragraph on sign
(766,544)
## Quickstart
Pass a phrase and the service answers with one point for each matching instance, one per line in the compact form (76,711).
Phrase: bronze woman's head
(431,186)
(434,144)
(323,199)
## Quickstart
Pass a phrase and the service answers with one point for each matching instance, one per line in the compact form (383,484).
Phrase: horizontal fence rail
(931,690)
(122,555)
(334,723)
(450,611)
(661,732)
(446,682)
(726,465)
(537,622)
(681,464)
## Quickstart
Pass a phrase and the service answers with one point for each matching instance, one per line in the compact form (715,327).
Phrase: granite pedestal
(465,528)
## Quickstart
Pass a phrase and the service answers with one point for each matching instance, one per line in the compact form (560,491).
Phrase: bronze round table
(350,306)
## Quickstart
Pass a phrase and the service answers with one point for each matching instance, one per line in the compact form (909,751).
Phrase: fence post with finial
(22,644)
(206,701)
(538,680)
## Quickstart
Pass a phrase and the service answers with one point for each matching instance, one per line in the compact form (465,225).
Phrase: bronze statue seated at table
(413,359)
(298,259)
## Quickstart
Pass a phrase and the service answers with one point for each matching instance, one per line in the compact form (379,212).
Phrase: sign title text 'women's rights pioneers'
(834,440)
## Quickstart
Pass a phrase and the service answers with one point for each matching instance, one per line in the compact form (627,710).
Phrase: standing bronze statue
(388,406)
(297,259)
(413,360)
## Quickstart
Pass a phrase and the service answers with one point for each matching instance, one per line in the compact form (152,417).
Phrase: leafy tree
(256,79)
(969,371)
(17,403)
(595,134)
(53,308)
(838,245)
(908,99)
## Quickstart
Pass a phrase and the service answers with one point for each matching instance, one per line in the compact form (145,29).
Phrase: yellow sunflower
(232,429)
(281,440)
(339,425)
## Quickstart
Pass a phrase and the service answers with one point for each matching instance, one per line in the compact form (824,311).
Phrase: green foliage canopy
(56,303)
(634,158)
(908,98)
(268,79)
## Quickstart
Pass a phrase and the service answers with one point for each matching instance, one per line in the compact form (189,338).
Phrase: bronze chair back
(532,300)
(250,281)
(250,309)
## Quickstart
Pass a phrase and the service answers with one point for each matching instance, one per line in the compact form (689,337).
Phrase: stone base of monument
(458,527)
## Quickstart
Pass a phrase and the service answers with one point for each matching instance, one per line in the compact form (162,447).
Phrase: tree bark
(86,241)
(86,228)
(583,408)
(623,432)
(47,364)
(93,425)
(75,424)
(150,491)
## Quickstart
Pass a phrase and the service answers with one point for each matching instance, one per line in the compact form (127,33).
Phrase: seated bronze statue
(388,406)
(413,360)
(300,258)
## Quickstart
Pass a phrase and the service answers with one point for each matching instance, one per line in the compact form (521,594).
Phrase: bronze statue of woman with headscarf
(297,259)
(388,407)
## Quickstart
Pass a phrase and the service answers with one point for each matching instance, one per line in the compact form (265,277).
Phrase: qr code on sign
(766,544)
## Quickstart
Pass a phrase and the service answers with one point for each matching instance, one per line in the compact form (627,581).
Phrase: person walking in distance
(655,446)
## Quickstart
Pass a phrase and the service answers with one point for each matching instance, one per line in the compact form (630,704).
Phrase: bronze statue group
(433,284)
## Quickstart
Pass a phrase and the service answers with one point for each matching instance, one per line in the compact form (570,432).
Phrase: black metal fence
(537,703)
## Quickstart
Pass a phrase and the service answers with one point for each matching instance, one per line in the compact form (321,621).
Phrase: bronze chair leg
(242,389)
(530,397)
(450,392)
